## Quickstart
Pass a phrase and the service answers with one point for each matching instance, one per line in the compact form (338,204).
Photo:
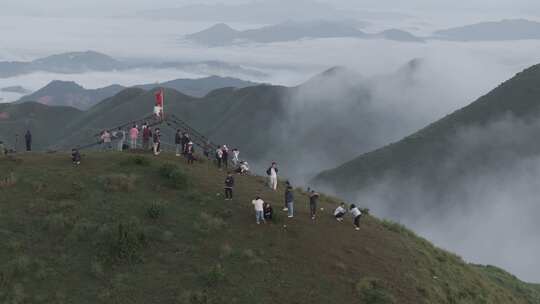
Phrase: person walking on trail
(157,141)
(268,212)
(133,135)
(340,212)
(28,140)
(289,201)
(356,214)
(258,205)
(225,159)
(272,176)
(219,157)
(236,157)
(178,141)
(106,140)
(190,153)
(122,135)
(146,136)
(313,199)
(229,185)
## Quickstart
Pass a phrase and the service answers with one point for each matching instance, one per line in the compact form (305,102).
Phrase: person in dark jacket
(185,142)
(268,212)
(178,142)
(229,185)
(75,157)
(147,135)
(313,198)
(190,153)
(157,141)
(28,140)
(225,159)
(289,201)
(287,185)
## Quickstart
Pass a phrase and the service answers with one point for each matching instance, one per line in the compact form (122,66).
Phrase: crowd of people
(264,210)
(224,158)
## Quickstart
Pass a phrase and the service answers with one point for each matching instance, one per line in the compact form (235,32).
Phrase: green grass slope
(129,228)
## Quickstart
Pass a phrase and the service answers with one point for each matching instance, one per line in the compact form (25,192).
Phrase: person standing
(225,159)
(272,176)
(28,140)
(106,140)
(229,185)
(146,135)
(356,214)
(258,204)
(184,142)
(219,157)
(236,157)
(133,135)
(289,201)
(156,141)
(178,141)
(313,198)
(190,153)
(122,135)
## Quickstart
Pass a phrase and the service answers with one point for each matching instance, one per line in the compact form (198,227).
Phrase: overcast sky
(111,7)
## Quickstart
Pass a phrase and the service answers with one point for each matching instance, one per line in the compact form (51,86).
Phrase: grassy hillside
(129,228)
(428,155)
(46,123)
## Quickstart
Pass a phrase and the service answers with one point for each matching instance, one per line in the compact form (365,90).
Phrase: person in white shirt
(236,155)
(272,176)
(258,204)
(340,212)
(356,214)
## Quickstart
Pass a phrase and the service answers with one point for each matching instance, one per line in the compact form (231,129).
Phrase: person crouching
(356,214)
(340,212)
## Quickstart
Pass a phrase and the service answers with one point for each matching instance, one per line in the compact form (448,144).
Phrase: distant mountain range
(74,62)
(222,34)
(515,29)
(68,93)
(15,89)
(80,62)
(327,120)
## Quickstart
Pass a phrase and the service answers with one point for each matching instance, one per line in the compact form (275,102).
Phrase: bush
(83,230)
(138,160)
(123,242)
(398,228)
(193,297)
(209,222)
(119,182)
(214,276)
(374,291)
(178,179)
(155,210)
(8,180)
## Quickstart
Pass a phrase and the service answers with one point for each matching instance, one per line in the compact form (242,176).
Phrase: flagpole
(162,104)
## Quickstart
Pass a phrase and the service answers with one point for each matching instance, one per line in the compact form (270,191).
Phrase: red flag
(159,98)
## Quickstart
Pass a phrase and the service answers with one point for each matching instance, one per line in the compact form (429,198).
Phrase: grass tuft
(374,291)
